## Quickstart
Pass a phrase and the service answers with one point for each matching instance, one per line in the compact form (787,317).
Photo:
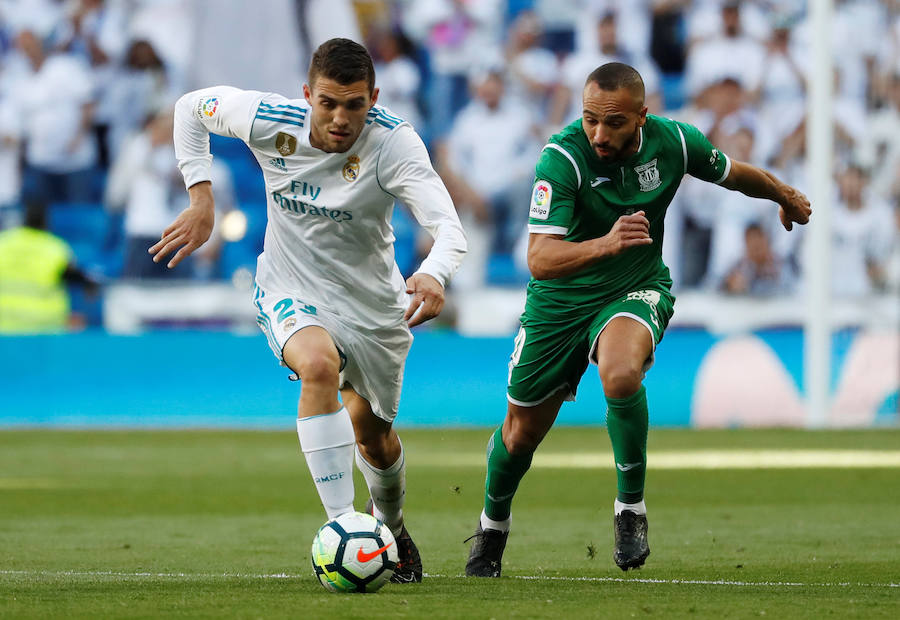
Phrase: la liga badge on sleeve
(540,200)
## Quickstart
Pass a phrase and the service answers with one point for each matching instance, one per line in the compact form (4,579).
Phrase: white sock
(489,524)
(387,488)
(327,442)
(639,509)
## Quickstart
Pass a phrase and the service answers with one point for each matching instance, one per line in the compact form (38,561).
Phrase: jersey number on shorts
(284,306)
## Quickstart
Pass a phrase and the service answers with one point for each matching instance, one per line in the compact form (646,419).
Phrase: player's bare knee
(520,439)
(319,369)
(620,380)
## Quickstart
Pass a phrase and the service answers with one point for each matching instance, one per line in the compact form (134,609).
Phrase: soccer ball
(354,553)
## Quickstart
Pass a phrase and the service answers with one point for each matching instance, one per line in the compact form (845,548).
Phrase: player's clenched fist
(628,231)
(191,228)
(794,208)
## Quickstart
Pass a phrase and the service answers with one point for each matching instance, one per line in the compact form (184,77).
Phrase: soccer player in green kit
(599,291)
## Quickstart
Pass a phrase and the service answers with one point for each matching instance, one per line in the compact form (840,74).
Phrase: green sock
(504,471)
(627,423)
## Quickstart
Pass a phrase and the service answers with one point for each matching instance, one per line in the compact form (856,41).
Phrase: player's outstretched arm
(405,171)
(550,256)
(191,228)
(222,110)
(758,183)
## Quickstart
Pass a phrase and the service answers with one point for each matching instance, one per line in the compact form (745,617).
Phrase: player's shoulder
(661,127)
(382,121)
(569,136)
(672,136)
(276,110)
(563,155)
(278,123)
(382,124)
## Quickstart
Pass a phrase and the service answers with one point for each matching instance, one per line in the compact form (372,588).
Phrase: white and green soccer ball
(354,553)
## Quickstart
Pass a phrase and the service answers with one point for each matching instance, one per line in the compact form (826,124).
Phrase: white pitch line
(700,582)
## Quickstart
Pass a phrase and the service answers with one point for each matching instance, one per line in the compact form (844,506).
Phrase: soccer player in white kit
(329,295)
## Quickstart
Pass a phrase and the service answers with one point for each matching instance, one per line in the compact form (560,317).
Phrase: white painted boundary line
(700,582)
(697,459)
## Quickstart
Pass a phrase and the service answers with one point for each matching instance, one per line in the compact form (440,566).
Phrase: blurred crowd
(87,86)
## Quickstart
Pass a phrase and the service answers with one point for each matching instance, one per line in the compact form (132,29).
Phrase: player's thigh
(281,316)
(376,359)
(546,359)
(626,331)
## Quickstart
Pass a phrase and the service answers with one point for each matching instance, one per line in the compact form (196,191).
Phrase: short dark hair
(616,75)
(343,61)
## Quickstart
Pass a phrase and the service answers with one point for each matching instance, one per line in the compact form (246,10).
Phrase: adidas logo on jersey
(278,162)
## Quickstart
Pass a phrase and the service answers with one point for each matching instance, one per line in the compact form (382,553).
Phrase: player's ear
(643,116)
(374,95)
(307,93)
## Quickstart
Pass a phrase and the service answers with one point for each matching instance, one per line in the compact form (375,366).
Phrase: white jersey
(329,238)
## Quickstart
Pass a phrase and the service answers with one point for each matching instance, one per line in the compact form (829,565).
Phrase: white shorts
(372,361)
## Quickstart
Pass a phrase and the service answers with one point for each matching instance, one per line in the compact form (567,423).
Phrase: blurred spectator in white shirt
(566,105)
(533,70)
(888,59)
(858,28)
(759,272)
(45,18)
(396,75)
(731,53)
(732,212)
(633,24)
(10,172)
(170,27)
(458,35)
(561,20)
(487,163)
(880,150)
(892,264)
(706,19)
(146,183)
(54,94)
(862,236)
(139,88)
(782,91)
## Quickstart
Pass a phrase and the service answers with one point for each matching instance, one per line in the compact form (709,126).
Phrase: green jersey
(580,197)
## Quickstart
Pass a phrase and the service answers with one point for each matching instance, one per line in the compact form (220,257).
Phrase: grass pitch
(218,524)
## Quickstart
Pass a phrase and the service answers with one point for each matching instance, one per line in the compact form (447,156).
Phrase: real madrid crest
(351,169)
(648,176)
(285,143)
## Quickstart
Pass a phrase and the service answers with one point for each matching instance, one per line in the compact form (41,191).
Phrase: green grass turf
(199,523)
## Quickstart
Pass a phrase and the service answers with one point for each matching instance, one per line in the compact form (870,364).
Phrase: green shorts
(549,356)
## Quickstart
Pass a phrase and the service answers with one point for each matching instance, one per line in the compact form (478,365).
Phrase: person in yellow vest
(35,267)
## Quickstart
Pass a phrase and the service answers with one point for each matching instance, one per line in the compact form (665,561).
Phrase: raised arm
(706,162)
(405,171)
(221,110)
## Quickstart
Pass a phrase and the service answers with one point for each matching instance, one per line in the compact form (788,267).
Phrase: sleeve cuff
(195,170)
(547,229)
(727,169)
(432,269)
